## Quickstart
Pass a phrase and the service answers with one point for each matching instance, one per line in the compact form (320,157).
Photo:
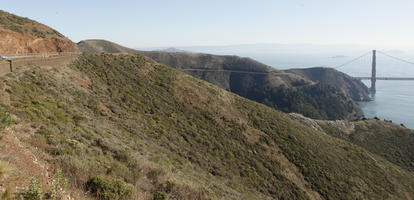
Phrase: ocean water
(394,100)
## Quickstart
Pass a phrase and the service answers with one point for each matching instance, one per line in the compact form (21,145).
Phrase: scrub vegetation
(123,127)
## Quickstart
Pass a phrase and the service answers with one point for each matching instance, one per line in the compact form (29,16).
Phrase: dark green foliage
(282,91)
(316,101)
(109,189)
(393,142)
(134,106)
(13,22)
(26,26)
(335,173)
(159,195)
(5,119)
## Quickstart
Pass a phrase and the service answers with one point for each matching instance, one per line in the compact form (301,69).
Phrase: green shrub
(35,191)
(160,195)
(109,189)
(58,188)
(5,119)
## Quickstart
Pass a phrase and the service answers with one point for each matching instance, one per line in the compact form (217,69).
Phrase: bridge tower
(374,71)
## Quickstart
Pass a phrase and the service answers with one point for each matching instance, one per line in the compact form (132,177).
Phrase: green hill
(169,135)
(20,35)
(391,141)
(27,26)
(285,91)
(349,86)
(103,46)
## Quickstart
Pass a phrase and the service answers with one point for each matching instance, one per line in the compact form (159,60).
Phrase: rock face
(20,35)
(351,87)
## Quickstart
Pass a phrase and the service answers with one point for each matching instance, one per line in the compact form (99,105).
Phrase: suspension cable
(353,60)
(399,59)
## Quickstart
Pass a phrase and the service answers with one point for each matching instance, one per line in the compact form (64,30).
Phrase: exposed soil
(16,43)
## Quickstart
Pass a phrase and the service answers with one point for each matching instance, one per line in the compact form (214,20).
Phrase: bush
(59,185)
(35,191)
(160,195)
(109,189)
(5,119)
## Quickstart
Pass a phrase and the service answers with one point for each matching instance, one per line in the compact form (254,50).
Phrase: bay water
(394,100)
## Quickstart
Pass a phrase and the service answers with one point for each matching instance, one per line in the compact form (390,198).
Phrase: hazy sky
(148,23)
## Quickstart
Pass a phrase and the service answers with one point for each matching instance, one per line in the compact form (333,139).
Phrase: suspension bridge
(372,55)
(388,63)
(373,77)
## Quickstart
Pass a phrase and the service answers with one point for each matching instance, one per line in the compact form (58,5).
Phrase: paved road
(25,62)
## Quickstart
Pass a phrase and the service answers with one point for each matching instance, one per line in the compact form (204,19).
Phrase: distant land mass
(103,46)
(271,48)
(278,89)
(120,125)
(348,85)
(171,49)
(339,56)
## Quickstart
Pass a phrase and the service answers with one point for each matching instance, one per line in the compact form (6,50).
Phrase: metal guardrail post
(11,65)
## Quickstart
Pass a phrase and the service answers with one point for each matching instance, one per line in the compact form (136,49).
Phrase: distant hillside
(103,46)
(126,127)
(393,142)
(246,77)
(282,90)
(353,88)
(171,49)
(20,35)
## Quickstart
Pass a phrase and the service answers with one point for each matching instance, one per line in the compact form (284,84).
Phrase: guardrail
(29,55)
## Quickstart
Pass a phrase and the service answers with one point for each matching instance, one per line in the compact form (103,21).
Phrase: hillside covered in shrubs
(126,127)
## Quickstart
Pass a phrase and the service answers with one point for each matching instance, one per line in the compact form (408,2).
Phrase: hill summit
(19,35)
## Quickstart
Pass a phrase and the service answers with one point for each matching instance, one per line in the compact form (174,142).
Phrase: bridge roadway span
(388,78)
(53,59)
(275,71)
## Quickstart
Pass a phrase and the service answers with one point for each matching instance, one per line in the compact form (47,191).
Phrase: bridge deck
(388,78)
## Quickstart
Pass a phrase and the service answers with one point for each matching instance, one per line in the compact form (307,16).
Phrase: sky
(153,23)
